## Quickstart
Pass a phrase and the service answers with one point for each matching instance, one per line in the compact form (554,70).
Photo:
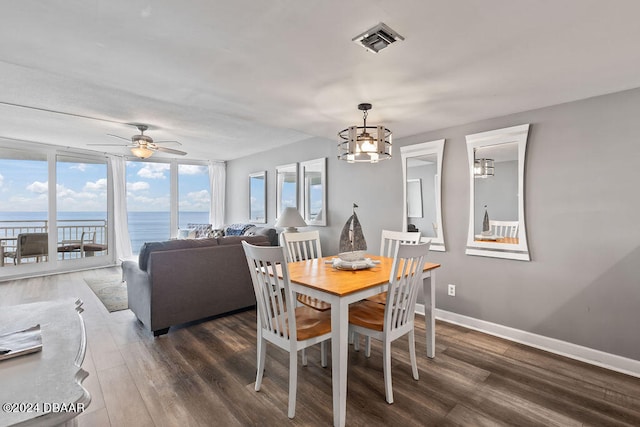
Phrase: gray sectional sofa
(180,281)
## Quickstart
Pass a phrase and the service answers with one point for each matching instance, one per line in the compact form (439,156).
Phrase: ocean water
(143,226)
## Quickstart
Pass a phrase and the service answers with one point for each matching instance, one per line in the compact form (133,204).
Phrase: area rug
(111,290)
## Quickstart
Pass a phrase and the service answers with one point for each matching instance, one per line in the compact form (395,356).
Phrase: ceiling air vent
(377,38)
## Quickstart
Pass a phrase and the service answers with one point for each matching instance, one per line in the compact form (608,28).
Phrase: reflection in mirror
(314,191)
(258,197)
(496,220)
(422,169)
(286,187)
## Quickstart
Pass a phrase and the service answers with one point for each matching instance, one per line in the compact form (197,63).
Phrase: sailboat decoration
(352,243)
(486,225)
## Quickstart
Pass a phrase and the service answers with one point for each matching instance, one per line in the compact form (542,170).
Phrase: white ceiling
(231,78)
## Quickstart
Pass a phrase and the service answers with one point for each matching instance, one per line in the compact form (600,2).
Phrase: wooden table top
(319,275)
(509,240)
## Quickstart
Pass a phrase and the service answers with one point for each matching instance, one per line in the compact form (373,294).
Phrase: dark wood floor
(203,375)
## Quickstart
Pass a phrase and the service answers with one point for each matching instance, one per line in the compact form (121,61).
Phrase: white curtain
(120,226)
(217,180)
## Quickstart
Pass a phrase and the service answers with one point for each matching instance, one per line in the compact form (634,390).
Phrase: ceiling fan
(143,146)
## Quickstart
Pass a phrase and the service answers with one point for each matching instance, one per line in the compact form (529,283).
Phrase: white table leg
(339,347)
(429,289)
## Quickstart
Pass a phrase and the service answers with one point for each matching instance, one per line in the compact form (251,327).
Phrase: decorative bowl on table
(351,256)
(353,265)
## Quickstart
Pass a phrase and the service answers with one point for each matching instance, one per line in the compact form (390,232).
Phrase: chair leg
(367,343)
(386,367)
(412,354)
(262,353)
(304,357)
(293,382)
(323,354)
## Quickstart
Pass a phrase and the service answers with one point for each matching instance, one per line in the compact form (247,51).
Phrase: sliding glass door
(24,210)
(81,191)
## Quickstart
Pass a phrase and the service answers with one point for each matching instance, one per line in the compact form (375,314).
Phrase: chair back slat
(302,246)
(273,295)
(404,281)
(391,239)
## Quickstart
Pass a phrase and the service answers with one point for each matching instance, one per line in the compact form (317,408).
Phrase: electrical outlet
(451,290)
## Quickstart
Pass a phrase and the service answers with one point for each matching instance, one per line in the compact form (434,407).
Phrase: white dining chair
(291,329)
(302,246)
(394,319)
(391,239)
(504,228)
(389,242)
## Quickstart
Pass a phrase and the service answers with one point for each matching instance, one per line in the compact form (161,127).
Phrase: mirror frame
(304,196)
(425,148)
(517,251)
(279,171)
(263,175)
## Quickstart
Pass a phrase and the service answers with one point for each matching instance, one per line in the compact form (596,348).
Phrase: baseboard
(563,348)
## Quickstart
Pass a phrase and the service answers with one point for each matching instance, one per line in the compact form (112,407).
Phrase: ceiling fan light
(141,152)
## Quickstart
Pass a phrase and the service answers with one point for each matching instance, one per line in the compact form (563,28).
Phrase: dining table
(339,287)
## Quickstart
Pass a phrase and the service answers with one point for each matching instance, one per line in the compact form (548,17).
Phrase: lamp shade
(290,218)
(141,152)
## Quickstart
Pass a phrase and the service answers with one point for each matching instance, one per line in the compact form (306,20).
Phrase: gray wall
(582,212)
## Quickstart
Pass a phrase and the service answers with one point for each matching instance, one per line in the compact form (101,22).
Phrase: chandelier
(365,143)
(483,168)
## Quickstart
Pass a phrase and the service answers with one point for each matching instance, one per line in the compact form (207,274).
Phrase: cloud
(1,180)
(193,170)
(38,187)
(154,170)
(144,203)
(137,186)
(196,201)
(79,166)
(202,195)
(99,185)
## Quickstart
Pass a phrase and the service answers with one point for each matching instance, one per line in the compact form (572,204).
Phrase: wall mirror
(286,187)
(422,208)
(496,205)
(314,191)
(258,197)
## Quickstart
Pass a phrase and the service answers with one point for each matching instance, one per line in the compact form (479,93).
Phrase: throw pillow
(186,233)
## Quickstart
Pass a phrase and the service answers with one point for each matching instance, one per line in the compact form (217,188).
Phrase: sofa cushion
(186,233)
(237,229)
(268,232)
(147,248)
(235,240)
(202,230)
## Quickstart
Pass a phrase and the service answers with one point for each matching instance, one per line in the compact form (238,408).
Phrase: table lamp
(290,218)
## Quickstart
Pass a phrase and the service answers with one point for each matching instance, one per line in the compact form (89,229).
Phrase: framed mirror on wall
(258,197)
(422,189)
(313,196)
(496,204)
(286,187)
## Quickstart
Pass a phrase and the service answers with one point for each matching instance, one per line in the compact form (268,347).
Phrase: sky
(82,187)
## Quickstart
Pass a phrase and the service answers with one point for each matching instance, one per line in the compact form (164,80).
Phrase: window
(194,197)
(81,190)
(148,202)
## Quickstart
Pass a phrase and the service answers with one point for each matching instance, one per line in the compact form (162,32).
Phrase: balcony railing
(69,237)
